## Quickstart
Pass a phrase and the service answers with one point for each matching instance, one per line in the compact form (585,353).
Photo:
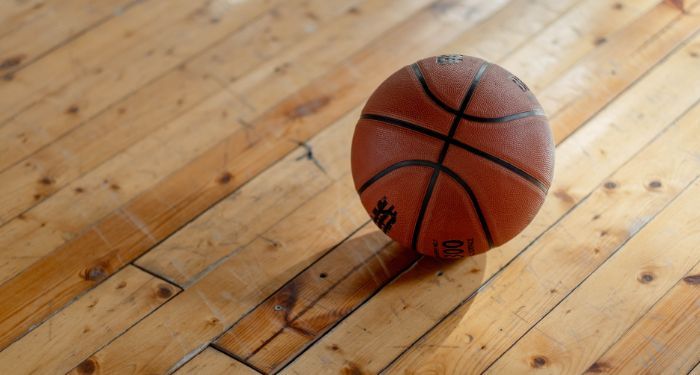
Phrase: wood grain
(595,143)
(258,205)
(55,94)
(104,192)
(65,339)
(664,340)
(213,362)
(312,302)
(116,182)
(175,261)
(627,55)
(238,347)
(605,211)
(207,227)
(570,338)
(175,191)
(239,283)
(157,103)
(28,41)
(14,14)
(134,228)
(695,370)
(584,27)
(195,237)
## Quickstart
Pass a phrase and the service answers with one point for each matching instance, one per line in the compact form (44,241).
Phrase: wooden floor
(175,193)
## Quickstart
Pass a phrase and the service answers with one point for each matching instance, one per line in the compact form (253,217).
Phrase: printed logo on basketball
(520,83)
(384,217)
(453,248)
(449,59)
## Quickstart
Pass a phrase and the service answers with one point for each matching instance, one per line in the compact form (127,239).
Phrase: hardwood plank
(40,176)
(155,104)
(225,294)
(146,219)
(309,304)
(218,220)
(110,356)
(268,122)
(73,210)
(288,342)
(315,24)
(214,362)
(664,340)
(32,85)
(23,233)
(66,20)
(65,214)
(598,312)
(198,236)
(28,182)
(616,213)
(524,20)
(258,205)
(70,336)
(600,76)
(57,93)
(695,370)
(174,260)
(582,162)
(13,14)
(223,178)
(623,58)
(584,28)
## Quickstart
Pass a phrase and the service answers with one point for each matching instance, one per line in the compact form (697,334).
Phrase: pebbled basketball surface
(452,156)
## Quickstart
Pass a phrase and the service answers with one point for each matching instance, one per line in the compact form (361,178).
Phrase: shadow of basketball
(360,278)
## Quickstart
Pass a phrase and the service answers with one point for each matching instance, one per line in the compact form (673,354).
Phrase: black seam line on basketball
(421,78)
(391,168)
(472,88)
(424,207)
(462,107)
(417,128)
(515,116)
(443,153)
(472,196)
(441,168)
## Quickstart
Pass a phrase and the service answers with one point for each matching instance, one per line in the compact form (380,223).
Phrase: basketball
(452,156)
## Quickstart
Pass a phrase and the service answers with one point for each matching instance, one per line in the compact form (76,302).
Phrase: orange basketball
(452,156)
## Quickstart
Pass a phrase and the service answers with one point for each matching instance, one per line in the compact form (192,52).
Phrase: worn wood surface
(87,324)
(175,191)
(211,362)
(673,321)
